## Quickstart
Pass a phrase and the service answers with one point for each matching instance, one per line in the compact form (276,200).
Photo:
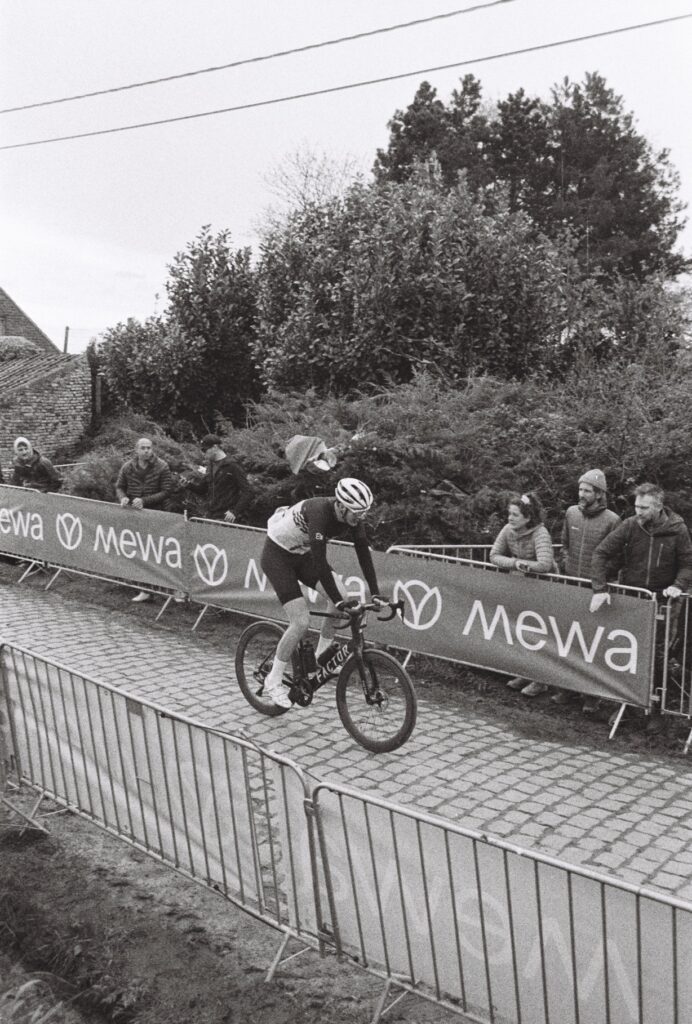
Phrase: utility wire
(265,57)
(352,85)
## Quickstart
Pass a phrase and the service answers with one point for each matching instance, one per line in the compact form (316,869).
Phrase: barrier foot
(163,607)
(199,617)
(618,719)
(381,1009)
(280,959)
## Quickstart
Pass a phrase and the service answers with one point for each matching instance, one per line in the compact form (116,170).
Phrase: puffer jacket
(531,545)
(653,558)
(582,532)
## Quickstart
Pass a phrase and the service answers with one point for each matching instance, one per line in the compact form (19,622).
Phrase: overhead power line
(260,59)
(352,85)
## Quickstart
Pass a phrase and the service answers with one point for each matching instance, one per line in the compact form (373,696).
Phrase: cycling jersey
(296,548)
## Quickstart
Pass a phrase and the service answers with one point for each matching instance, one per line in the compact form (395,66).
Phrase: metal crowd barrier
(477,925)
(214,807)
(493,931)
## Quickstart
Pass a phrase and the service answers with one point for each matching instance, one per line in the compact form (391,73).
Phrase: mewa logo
(211,564)
(422,603)
(69,530)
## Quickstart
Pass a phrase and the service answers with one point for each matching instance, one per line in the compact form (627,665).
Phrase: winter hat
(596,478)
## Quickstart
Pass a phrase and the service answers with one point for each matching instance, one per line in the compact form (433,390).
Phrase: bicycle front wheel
(253,659)
(378,711)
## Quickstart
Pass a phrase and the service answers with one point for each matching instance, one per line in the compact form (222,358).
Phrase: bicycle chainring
(301,693)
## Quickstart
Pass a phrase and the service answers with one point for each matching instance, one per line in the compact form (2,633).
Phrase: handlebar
(359,609)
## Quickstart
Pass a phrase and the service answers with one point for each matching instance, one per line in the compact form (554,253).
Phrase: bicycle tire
(386,725)
(254,654)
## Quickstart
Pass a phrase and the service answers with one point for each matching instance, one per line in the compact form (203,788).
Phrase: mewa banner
(459,611)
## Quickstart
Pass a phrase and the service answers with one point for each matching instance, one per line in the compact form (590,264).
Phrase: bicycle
(375,697)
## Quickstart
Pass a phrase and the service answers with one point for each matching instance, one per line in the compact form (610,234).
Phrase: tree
(211,293)
(194,362)
(388,279)
(576,161)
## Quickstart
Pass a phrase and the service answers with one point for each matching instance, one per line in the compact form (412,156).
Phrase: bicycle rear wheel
(253,659)
(385,720)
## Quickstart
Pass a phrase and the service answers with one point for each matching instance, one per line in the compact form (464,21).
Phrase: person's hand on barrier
(229,517)
(520,566)
(672,591)
(137,503)
(124,501)
(598,600)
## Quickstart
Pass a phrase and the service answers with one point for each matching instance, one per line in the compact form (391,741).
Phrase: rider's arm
(318,549)
(360,542)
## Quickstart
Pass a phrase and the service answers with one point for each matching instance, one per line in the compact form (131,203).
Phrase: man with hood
(31,469)
(652,549)
(586,524)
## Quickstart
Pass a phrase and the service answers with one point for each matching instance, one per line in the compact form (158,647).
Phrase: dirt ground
(117,937)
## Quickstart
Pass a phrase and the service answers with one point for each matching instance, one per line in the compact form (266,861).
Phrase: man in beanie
(224,484)
(586,524)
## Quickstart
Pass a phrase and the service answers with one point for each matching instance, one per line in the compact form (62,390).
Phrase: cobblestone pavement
(627,815)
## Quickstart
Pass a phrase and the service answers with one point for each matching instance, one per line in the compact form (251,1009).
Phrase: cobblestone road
(628,815)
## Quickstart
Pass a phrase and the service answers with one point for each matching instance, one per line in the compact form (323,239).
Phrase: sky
(89,226)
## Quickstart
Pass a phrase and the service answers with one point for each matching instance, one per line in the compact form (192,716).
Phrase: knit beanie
(594,477)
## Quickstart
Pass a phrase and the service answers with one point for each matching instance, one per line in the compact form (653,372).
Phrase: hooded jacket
(653,558)
(38,473)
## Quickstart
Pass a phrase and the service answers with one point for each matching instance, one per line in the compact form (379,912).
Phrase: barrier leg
(687,744)
(53,578)
(34,566)
(618,719)
(199,617)
(163,607)
(280,959)
(30,818)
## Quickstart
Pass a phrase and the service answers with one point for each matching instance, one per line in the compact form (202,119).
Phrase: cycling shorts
(286,571)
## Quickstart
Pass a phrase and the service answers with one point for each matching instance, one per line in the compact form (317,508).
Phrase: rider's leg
(298,620)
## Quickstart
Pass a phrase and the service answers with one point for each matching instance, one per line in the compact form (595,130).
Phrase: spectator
(224,484)
(144,482)
(652,550)
(524,545)
(585,526)
(31,469)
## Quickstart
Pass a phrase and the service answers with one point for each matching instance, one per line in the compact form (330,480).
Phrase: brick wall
(53,412)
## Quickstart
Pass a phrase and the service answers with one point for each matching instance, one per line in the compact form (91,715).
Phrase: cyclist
(295,552)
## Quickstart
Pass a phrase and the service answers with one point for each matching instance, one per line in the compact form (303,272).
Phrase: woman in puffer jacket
(524,545)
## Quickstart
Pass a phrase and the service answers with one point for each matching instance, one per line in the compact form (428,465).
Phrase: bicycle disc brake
(301,693)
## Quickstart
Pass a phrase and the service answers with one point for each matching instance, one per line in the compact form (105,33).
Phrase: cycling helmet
(354,494)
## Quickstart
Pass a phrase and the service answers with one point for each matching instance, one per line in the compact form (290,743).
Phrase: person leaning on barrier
(31,469)
(524,545)
(652,550)
(224,484)
(144,481)
(584,527)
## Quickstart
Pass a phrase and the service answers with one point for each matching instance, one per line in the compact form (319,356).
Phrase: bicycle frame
(354,646)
